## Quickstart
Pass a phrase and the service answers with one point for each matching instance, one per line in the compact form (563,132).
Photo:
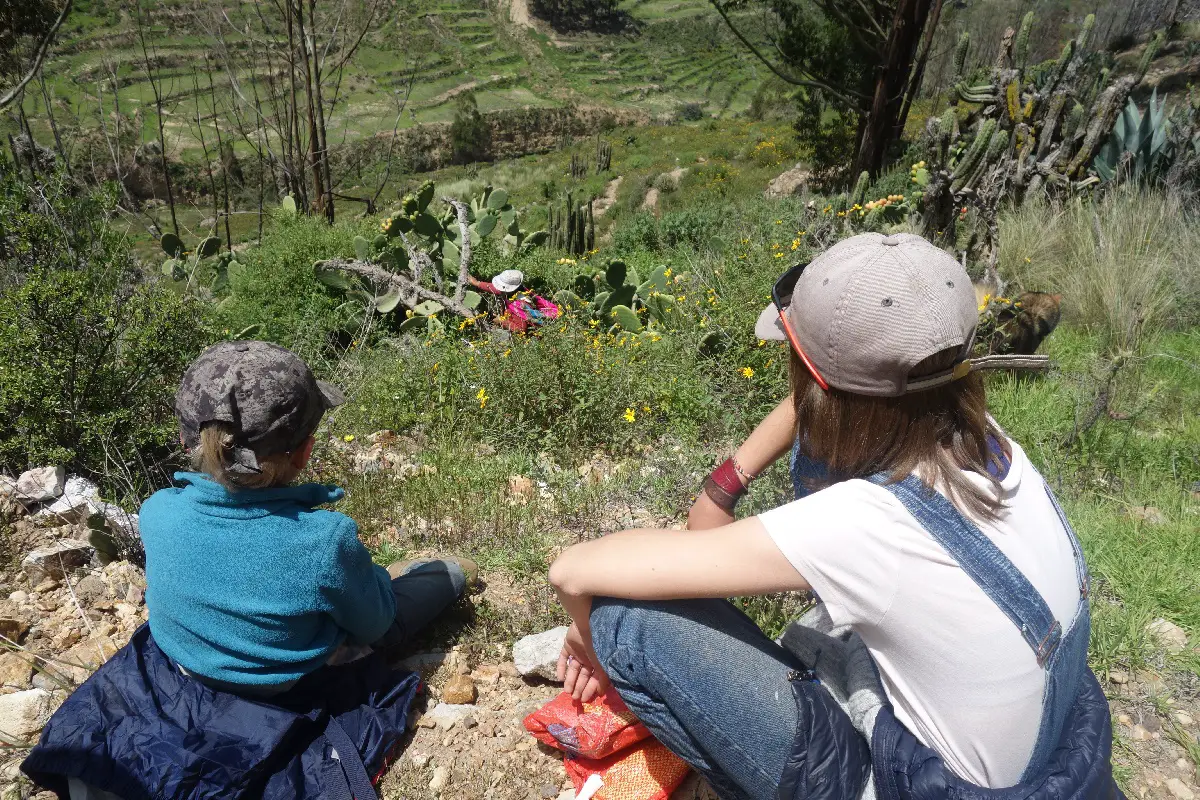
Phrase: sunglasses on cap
(781,296)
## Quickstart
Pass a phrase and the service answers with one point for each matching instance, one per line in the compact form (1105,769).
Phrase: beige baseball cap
(865,312)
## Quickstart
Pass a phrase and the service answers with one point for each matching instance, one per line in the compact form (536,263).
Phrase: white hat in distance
(509,281)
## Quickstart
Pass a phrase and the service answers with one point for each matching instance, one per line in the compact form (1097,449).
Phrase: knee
(458,578)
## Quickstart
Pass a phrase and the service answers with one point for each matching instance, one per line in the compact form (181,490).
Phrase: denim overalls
(1071,757)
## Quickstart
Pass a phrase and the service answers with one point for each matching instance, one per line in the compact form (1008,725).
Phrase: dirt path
(650,203)
(607,200)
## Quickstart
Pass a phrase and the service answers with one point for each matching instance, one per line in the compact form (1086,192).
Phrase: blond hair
(214,457)
(939,433)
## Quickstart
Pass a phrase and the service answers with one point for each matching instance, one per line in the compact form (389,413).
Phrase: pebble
(537,655)
(445,715)
(19,597)
(1118,676)
(441,779)
(1171,636)
(459,690)
(1183,718)
(1179,789)
(1139,734)
(487,674)
(420,760)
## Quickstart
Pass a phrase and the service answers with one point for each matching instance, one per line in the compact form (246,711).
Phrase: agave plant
(1137,147)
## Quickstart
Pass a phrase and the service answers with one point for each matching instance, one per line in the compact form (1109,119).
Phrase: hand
(580,676)
(705,514)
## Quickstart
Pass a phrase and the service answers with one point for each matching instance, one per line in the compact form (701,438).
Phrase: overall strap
(979,557)
(1081,570)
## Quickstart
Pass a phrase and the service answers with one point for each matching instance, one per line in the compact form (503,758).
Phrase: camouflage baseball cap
(263,390)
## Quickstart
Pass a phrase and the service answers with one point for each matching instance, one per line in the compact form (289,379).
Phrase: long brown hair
(939,434)
(214,456)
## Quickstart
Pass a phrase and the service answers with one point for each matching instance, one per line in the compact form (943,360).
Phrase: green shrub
(689,228)
(470,136)
(278,292)
(640,233)
(92,350)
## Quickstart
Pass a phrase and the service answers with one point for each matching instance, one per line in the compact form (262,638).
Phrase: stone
(1118,677)
(24,714)
(789,183)
(86,657)
(537,655)
(1139,734)
(41,484)
(80,498)
(1179,789)
(486,674)
(56,560)
(1148,514)
(15,630)
(19,597)
(441,779)
(1124,719)
(16,671)
(509,670)
(521,488)
(1183,718)
(90,590)
(446,715)
(420,760)
(459,690)
(1171,636)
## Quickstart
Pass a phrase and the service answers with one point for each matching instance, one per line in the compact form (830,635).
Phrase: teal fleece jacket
(258,587)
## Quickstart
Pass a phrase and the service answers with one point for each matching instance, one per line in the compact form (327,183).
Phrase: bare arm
(736,559)
(770,439)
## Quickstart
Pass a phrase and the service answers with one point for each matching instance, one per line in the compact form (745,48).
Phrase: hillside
(672,53)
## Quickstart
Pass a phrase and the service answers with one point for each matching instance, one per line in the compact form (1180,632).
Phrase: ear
(303,453)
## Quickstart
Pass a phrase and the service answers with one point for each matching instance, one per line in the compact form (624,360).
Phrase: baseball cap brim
(332,395)
(769,326)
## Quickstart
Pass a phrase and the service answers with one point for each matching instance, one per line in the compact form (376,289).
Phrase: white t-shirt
(956,669)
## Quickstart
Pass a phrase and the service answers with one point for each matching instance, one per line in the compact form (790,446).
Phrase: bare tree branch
(410,291)
(464,246)
(38,58)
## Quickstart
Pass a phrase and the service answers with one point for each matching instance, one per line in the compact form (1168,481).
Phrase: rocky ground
(67,606)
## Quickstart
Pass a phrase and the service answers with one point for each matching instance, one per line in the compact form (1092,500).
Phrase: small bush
(691,112)
(688,228)
(640,233)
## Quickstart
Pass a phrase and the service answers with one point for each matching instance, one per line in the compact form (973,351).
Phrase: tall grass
(1124,263)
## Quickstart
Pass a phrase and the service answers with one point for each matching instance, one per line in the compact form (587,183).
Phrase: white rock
(537,655)
(41,484)
(80,499)
(420,760)
(1172,637)
(19,597)
(1180,789)
(24,714)
(56,560)
(446,715)
(441,779)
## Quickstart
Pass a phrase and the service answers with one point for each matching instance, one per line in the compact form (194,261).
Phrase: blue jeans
(707,683)
(423,591)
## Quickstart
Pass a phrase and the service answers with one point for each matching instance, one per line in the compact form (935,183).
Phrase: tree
(470,137)
(27,28)
(861,60)
(579,15)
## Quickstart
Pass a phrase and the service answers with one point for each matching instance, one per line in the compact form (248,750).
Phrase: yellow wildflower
(630,416)
(482,397)
(747,373)
(348,437)
(667,274)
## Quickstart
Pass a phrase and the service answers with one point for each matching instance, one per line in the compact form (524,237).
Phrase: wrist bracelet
(746,477)
(725,500)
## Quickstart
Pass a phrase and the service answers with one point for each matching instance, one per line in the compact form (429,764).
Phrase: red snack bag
(604,738)
(588,730)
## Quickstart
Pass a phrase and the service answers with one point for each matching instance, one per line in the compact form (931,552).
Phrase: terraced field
(675,52)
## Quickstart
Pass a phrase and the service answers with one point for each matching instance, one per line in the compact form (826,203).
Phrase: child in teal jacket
(251,586)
